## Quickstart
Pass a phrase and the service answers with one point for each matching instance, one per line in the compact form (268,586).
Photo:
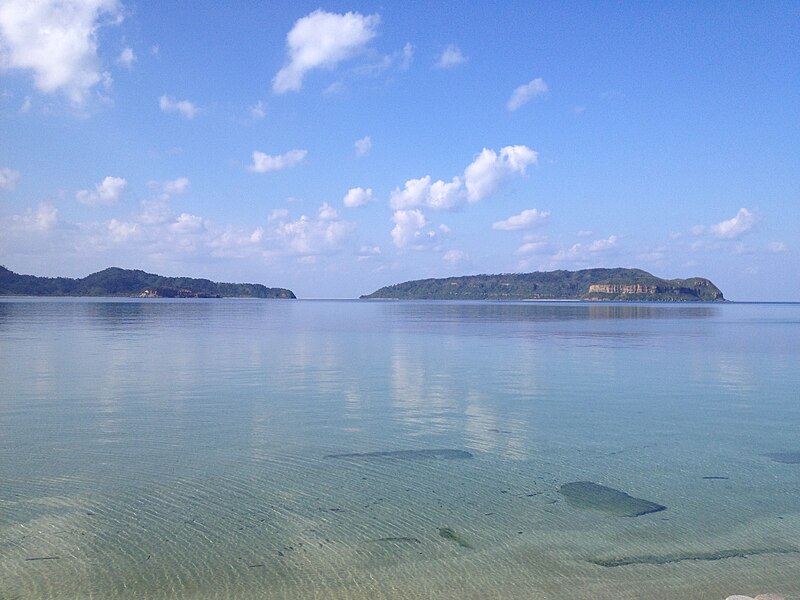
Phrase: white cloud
(451,57)
(421,192)
(176,186)
(524,93)
(57,41)
(489,169)
(105,193)
(258,111)
(44,218)
(531,247)
(122,231)
(187,223)
(184,107)
(363,146)
(155,212)
(237,242)
(26,106)
(358,196)
(408,228)
(581,253)
(8,179)
(278,214)
(327,213)
(311,237)
(126,58)
(454,257)
(735,227)
(322,40)
(524,220)
(264,163)
(481,178)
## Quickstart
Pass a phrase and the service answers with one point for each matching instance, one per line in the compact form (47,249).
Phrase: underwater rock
(437,454)
(789,458)
(448,534)
(665,559)
(399,539)
(739,597)
(589,495)
(770,597)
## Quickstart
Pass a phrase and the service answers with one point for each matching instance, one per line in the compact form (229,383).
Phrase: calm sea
(352,449)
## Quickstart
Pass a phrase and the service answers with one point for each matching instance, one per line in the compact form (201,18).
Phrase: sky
(336,148)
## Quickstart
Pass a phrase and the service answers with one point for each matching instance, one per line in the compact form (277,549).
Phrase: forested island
(632,285)
(132,283)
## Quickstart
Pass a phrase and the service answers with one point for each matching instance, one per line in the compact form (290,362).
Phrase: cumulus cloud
(525,220)
(183,107)
(57,41)
(450,57)
(733,228)
(490,168)
(322,40)
(366,252)
(581,253)
(176,186)
(105,193)
(533,246)
(43,218)
(454,257)
(264,163)
(408,229)
(155,233)
(278,214)
(122,231)
(363,146)
(481,178)
(358,196)
(308,236)
(438,195)
(524,93)
(126,58)
(187,223)
(8,179)
(237,242)
(327,213)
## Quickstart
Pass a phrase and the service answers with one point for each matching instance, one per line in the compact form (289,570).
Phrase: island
(615,285)
(132,283)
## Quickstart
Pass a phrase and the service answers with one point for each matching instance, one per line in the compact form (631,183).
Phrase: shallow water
(177,449)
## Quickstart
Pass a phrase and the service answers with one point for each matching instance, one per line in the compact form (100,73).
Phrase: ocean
(305,449)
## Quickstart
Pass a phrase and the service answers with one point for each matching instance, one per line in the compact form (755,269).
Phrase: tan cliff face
(693,287)
(621,288)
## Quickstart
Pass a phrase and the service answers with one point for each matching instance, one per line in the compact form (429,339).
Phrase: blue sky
(336,148)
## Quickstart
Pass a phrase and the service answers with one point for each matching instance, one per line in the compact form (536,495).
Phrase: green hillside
(132,283)
(589,284)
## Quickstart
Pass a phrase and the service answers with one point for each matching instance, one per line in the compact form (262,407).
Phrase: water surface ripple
(341,449)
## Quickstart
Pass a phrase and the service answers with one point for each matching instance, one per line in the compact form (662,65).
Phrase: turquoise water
(181,449)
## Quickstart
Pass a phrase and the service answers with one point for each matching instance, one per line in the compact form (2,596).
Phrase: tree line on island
(132,283)
(632,285)
(589,284)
